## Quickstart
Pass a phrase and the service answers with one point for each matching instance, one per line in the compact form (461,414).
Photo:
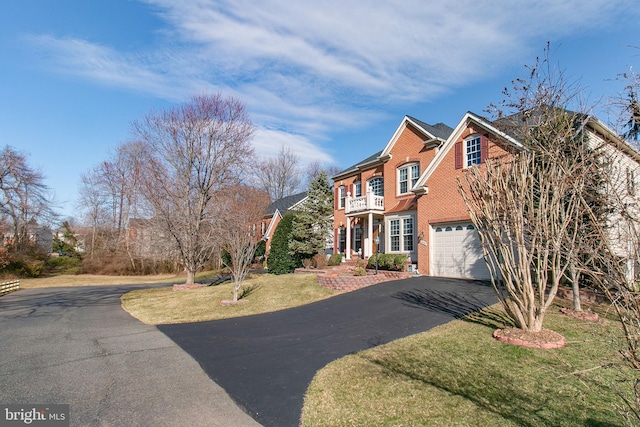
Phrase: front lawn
(458,375)
(263,293)
(64,280)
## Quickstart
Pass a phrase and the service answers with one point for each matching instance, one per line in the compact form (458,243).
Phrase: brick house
(275,212)
(407,194)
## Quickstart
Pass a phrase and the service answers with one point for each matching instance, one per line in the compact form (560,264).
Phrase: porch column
(348,239)
(369,247)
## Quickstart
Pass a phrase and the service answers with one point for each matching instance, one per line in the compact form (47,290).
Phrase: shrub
(280,260)
(399,261)
(335,259)
(33,268)
(319,260)
(64,265)
(392,262)
(307,263)
(25,265)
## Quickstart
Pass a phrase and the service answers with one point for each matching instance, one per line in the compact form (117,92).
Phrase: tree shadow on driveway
(459,305)
(266,362)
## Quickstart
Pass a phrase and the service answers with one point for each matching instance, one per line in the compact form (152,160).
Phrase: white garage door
(457,253)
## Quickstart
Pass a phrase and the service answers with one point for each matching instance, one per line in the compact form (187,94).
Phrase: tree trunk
(191,277)
(236,286)
(536,325)
(575,286)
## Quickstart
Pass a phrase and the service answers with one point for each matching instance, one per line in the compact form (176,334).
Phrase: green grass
(263,293)
(458,375)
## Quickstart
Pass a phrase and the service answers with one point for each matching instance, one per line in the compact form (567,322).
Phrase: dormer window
(408,176)
(472,151)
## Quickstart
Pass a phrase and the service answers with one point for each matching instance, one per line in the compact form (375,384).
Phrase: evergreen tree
(312,224)
(280,260)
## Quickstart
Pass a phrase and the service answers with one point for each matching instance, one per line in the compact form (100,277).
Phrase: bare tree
(120,180)
(92,200)
(315,168)
(242,208)
(279,176)
(625,108)
(193,152)
(24,196)
(523,210)
(526,205)
(615,264)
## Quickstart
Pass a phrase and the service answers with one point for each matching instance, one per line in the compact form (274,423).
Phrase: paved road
(77,346)
(266,362)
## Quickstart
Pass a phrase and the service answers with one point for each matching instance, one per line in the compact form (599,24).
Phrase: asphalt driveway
(77,346)
(266,362)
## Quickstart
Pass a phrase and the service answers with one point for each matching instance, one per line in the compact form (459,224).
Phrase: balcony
(368,202)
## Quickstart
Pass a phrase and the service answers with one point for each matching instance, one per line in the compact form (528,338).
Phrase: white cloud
(268,143)
(307,67)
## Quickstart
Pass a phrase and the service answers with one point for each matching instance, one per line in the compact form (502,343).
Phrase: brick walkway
(341,278)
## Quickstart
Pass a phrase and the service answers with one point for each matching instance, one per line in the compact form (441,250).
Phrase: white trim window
(472,151)
(341,197)
(376,186)
(357,189)
(401,234)
(408,176)
(357,238)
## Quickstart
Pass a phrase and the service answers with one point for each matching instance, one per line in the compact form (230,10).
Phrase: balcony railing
(368,202)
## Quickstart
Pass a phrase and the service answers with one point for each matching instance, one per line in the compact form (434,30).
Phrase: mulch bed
(588,316)
(545,339)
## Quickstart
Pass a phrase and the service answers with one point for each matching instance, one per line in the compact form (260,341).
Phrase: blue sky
(329,79)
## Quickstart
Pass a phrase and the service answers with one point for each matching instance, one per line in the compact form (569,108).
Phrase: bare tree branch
(193,152)
(279,176)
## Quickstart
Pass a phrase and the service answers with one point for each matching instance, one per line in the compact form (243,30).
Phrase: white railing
(368,202)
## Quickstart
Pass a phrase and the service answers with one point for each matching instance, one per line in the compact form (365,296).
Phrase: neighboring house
(37,235)
(275,212)
(407,195)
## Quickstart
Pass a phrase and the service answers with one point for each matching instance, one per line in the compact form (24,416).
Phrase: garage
(456,252)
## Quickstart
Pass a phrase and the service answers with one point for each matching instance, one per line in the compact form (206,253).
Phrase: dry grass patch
(458,375)
(95,280)
(262,293)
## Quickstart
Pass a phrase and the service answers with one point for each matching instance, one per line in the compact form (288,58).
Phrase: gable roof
(285,204)
(437,133)
(468,118)
(363,164)
(433,134)
(512,121)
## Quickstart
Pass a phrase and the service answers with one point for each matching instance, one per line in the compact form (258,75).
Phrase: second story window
(472,151)
(341,197)
(407,177)
(376,186)
(357,189)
